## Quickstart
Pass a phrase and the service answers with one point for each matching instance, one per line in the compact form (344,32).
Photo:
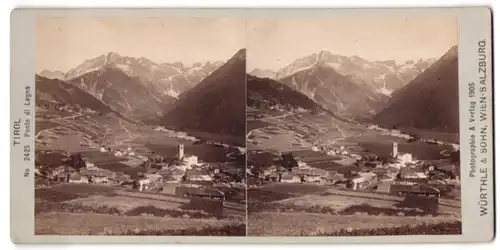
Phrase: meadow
(297,224)
(90,209)
(289,209)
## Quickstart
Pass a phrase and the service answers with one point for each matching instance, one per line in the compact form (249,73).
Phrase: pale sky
(273,44)
(64,43)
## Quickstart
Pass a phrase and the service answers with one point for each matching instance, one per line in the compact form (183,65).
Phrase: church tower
(394,149)
(181,151)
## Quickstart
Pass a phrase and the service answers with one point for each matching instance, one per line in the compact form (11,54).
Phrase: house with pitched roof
(412,173)
(177,173)
(288,177)
(78,178)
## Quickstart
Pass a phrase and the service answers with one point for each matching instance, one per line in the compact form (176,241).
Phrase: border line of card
(474,23)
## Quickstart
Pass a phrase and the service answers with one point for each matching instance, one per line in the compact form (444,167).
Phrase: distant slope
(52,74)
(130,96)
(265,92)
(54,91)
(428,102)
(263,73)
(216,105)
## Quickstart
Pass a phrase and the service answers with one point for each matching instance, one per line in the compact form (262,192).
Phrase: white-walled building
(191,160)
(290,178)
(405,158)
(90,166)
(302,164)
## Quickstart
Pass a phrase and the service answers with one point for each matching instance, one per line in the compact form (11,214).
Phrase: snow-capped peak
(111,57)
(383,76)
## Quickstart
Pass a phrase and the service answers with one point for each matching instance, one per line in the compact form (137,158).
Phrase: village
(345,167)
(181,174)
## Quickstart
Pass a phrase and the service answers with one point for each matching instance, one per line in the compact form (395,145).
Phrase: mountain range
(171,78)
(212,97)
(351,86)
(385,76)
(429,102)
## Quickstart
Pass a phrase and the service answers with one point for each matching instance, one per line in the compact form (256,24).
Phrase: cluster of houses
(307,174)
(90,174)
(370,173)
(123,153)
(60,107)
(185,173)
(331,151)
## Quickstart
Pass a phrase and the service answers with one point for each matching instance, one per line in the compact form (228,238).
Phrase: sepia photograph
(251,126)
(140,126)
(353,125)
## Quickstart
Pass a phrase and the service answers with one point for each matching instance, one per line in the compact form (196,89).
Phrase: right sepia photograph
(353,125)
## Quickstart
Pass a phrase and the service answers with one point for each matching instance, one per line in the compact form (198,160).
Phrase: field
(255,124)
(296,224)
(66,130)
(103,224)
(314,195)
(120,167)
(99,209)
(281,140)
(42,125)
(96,156)
(289,188)
(315,209)
(50,158)
(65,192)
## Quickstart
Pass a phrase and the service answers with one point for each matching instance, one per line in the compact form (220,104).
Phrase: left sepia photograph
(140,126)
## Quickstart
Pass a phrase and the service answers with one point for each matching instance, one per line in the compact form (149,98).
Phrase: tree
(241,159)
(288,161)
(156,158)
(146,164)
(172,161)
(184,177)
(399,176)
(77,162)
